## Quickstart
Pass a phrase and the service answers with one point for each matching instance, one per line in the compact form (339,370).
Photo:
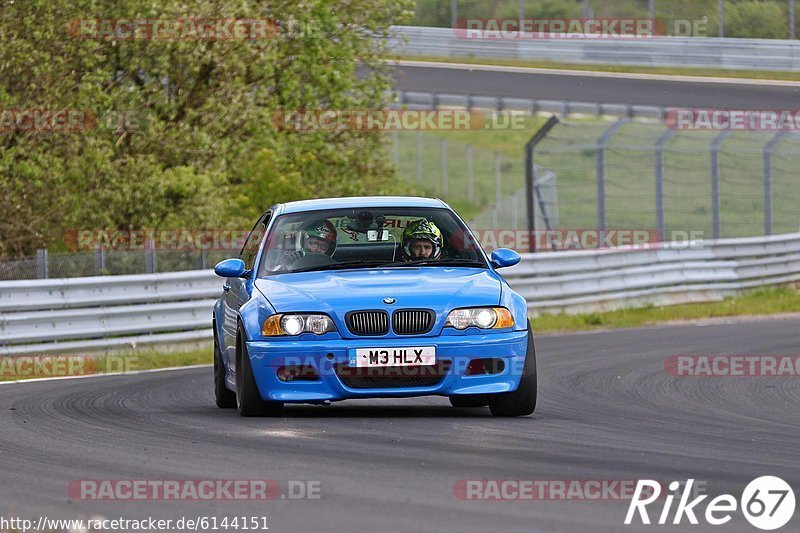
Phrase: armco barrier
(583,281)
(38,316)
(703,52)
(106,312)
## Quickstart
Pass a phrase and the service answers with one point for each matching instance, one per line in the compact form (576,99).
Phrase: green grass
(130,362)
(569,151)
(767,301)
(684,71)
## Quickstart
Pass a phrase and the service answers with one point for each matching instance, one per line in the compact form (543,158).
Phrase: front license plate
(377,357)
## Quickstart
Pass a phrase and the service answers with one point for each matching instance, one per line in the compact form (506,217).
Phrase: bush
(207,152)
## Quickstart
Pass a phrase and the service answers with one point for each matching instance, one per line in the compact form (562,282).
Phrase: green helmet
(320,229)
(422,230)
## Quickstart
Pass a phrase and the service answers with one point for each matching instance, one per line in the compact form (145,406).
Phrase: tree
(179,132)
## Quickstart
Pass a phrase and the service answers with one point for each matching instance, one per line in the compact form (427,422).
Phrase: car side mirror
(505,257)
(230,268)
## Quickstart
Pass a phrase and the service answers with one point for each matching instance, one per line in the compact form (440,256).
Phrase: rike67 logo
(767,502)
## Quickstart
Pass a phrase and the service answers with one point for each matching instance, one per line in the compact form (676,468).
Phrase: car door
(237,291)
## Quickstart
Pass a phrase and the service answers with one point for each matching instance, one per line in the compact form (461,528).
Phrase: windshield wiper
(346,264)
(391,264)
(452,261)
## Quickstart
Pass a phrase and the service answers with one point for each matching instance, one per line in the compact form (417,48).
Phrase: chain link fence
(615,173)
(484,186)
(110,263)
(590,173)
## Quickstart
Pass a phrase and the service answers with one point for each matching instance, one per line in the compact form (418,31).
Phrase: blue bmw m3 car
(370,297)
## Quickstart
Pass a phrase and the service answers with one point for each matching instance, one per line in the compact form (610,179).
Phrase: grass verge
(613,69)
(768,301)
(62,365)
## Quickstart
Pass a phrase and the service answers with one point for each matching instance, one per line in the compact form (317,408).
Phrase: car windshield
(386,237)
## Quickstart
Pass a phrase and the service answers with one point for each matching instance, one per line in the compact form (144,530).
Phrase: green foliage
(766,19)
(755,19)
(201,147)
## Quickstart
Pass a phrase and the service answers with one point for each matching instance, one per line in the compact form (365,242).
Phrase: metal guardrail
(703,52)
(426,100)
(124,311)
(583,281)
(105,312)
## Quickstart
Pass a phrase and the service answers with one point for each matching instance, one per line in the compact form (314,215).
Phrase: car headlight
(480,317)
(295,324)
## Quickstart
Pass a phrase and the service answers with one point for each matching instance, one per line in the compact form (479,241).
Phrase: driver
(316,237)
(319,237)
(422,240)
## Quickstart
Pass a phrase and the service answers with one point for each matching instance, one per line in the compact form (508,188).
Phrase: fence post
(769,149)
(721,17)
(445,184)
(453,13)
(150,257)
(602,144)
(470,175)
(530,192)
(498,180)
(42,266)
(660,144)
(202,259)
(521,11)
(99,260)
(715,203)
(652,9)
(791,19)
(515,211)
(419,157)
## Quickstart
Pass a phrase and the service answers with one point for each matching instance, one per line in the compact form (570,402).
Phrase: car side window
(253,243)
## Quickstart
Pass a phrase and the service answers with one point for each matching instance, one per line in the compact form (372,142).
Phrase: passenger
(422,240)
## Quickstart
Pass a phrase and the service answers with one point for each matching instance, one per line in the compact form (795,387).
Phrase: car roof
(358,202)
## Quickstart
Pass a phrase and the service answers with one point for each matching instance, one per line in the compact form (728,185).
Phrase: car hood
(337,292)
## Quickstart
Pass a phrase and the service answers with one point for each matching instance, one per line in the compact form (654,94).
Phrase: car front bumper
(455,348)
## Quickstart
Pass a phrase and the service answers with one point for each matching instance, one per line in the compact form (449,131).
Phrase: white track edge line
(595,73)
(134,373)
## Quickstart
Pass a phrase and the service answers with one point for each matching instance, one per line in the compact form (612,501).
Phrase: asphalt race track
(607,410)
(609,88)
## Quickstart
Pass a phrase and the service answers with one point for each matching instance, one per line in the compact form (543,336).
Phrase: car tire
(470,400)
(248,398)
(225,398)
(521,402)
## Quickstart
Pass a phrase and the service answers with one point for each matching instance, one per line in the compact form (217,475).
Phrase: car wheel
(471,400)
(521,402)
(225,397)
(248,399)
